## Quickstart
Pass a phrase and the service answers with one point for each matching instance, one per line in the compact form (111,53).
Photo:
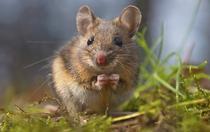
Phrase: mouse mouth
(102,68)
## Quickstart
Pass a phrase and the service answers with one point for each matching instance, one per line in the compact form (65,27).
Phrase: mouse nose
(101,58)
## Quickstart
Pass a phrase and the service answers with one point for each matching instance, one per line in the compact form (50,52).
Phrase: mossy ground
(168,98)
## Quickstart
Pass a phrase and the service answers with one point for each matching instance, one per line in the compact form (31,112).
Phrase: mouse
(98,69)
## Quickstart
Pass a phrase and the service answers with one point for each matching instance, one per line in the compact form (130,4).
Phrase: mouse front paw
(107,81)
(114,81)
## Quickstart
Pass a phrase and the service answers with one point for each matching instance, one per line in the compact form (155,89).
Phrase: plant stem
(167,85)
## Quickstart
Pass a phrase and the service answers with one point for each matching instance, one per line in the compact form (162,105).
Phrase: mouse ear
(130,19)
(85,19)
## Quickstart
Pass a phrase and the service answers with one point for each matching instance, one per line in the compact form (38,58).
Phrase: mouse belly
(91,101)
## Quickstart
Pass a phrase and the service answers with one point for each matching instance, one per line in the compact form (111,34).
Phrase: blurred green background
(31,31)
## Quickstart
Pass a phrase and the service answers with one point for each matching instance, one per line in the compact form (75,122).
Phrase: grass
(168,98)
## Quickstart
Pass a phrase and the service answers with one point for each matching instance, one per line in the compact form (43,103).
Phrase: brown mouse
(98,69)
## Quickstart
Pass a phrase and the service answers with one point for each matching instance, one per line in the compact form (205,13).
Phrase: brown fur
(74,70)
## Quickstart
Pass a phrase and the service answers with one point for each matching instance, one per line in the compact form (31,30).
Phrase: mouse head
(106,43)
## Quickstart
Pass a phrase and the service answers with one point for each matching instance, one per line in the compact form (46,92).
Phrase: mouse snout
(101,58)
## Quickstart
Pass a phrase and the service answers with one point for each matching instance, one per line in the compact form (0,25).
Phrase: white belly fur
(91,100)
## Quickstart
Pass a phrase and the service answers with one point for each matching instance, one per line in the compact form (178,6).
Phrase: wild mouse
(98,69)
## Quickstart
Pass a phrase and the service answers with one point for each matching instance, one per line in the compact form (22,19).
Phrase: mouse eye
(90,40)
(117,41)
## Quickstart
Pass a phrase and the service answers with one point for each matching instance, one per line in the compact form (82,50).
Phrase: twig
(130,116)
(197,101)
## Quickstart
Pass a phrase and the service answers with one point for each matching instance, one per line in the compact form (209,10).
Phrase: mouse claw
(114,80)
